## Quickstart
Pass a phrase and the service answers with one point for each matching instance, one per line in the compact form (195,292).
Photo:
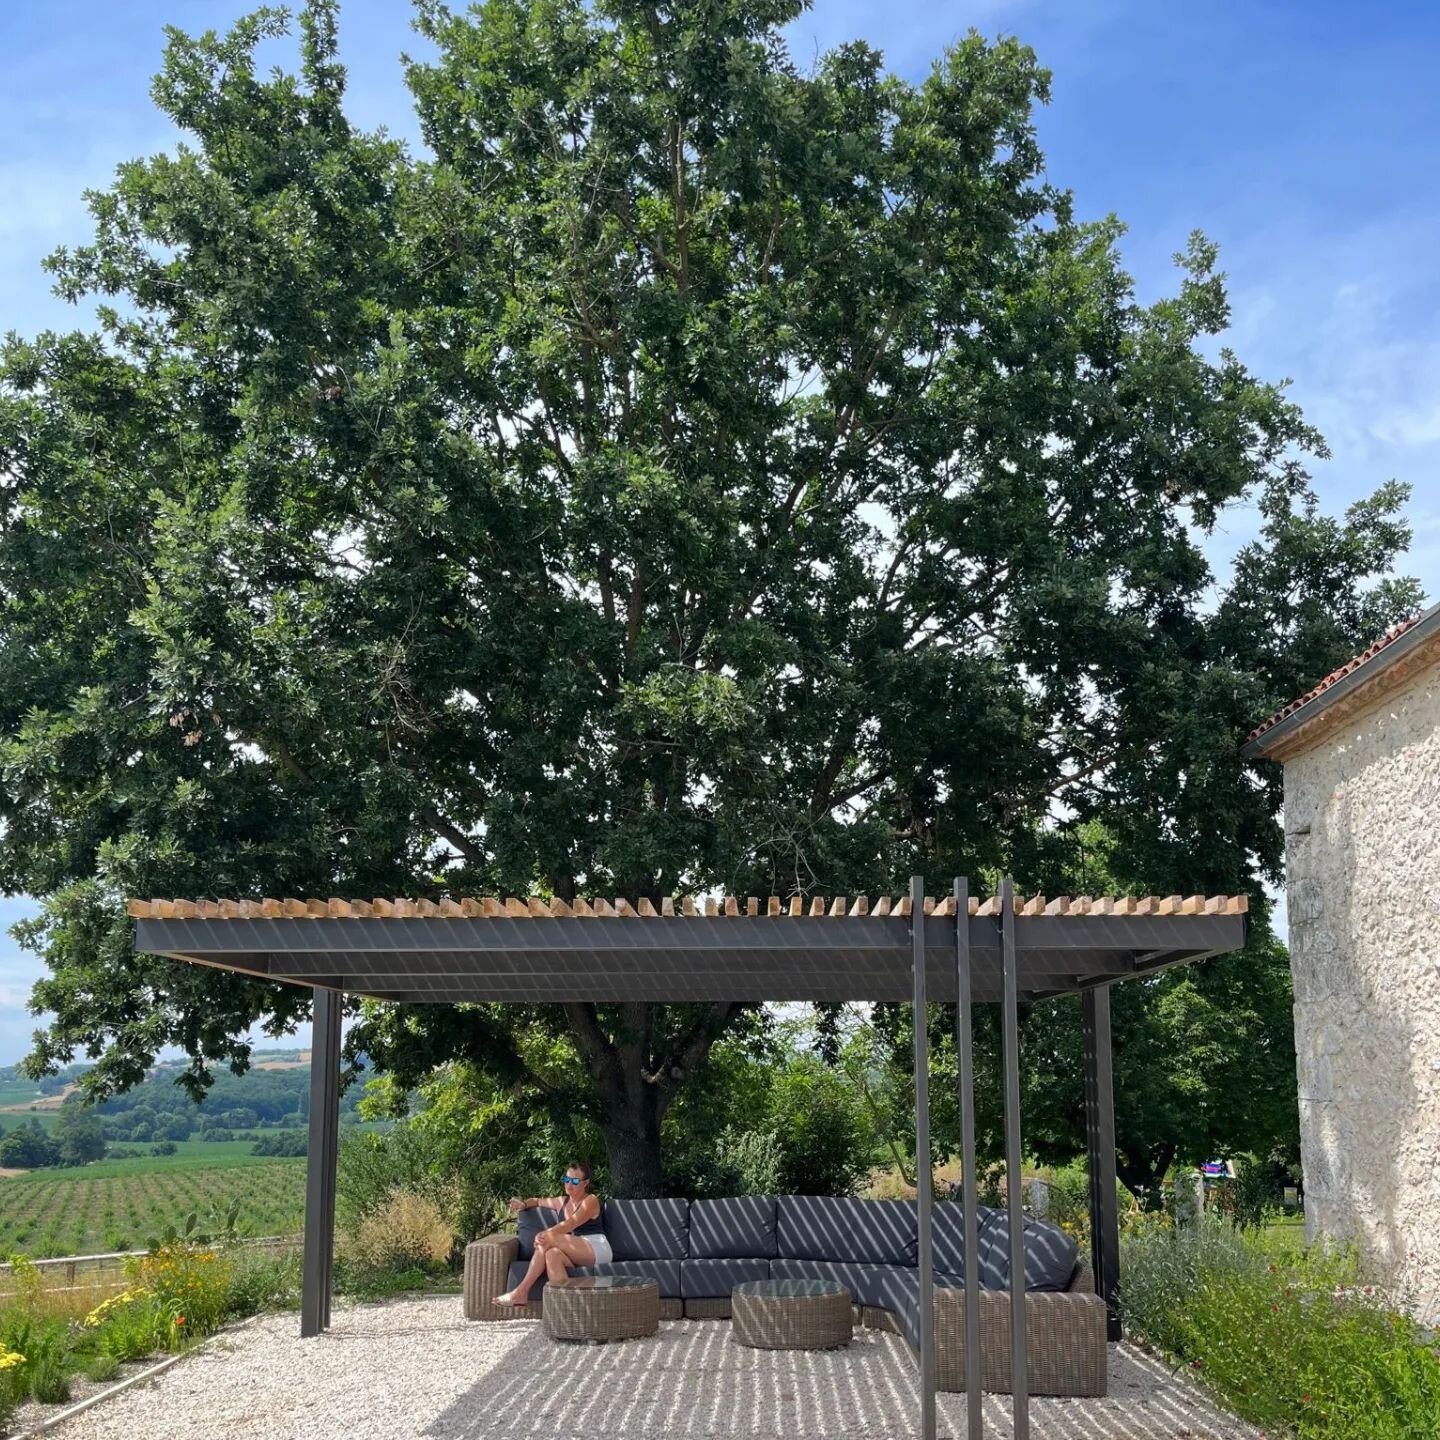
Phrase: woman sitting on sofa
(576,1239)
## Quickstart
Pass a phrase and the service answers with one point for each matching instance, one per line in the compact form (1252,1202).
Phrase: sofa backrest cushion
(647,1229)
(739,1228)
(827,1227)
(1050,1253)
(529,1223)
(949,1238)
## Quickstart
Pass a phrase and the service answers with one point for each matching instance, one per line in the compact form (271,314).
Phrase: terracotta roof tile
(1335,676)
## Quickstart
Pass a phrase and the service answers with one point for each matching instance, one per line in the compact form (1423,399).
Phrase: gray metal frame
(1014,1160)
(924,1164)
(1100,1145)
(969,1199)
(320,1166)
(962,958)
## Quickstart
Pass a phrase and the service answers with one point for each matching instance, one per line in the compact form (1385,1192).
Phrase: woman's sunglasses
(572,1180)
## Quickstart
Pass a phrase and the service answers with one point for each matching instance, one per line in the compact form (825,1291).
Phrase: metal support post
(1100,1143)
(965,1049)
(1010,1032)
(924,1172)
(318,1272)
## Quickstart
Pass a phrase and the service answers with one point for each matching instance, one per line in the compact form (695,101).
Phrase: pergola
(956,949)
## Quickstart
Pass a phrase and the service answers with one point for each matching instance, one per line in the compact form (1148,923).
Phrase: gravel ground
(415,1370)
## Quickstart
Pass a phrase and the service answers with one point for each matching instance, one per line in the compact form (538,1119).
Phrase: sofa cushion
(715,1279)
(948,1229)
(665,1273)
(742,1227)
(865,1232)
(1050,1253)
(647,1229)
(529,1223)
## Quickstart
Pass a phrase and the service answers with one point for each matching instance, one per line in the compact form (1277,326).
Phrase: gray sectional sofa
(698,1250)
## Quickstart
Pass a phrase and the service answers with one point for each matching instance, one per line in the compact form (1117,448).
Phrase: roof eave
(1425,628)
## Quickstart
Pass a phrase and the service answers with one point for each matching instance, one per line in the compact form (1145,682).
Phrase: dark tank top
(590,1227)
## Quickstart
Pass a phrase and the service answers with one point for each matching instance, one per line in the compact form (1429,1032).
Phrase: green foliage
(28,1147)
(288,1143)
(362,1281)
(1295,1346)
(187,1281)
(102,1369)
(77,1134)
(696,471)
(48,1382)
(756,1161)
(263,1280)
(46,1345)
(824,1135)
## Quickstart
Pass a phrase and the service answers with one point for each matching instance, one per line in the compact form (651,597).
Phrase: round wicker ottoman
(592,1307)
(790,1314)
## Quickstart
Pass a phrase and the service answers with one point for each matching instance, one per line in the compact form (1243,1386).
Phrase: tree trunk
(632,1142)
(1143,1174)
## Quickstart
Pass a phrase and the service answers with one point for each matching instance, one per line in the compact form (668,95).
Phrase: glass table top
(790,1289)
(606,1282)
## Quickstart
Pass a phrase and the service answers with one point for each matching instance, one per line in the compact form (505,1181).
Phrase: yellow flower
(9,1359)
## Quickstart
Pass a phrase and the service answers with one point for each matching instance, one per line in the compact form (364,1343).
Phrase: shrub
(408,1231)
(45,1345)
(826,1139)
(102,1368)
(364,1283)
(48,1382)
(129,1326)
(373,1166)
(188,1285)
(1298,1347)
(11,1363)
(261,1280)
(755,1160)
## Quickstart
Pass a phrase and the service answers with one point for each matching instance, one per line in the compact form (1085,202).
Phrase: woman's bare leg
(575,1248)
(520,1295)
(557,1267)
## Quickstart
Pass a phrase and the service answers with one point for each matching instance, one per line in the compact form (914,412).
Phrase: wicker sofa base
(1064,1343)
(1065,1331)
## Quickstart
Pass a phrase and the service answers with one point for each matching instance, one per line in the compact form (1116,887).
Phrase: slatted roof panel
(536,951)
(817,907)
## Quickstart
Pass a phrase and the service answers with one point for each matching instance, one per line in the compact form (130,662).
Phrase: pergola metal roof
(535,951)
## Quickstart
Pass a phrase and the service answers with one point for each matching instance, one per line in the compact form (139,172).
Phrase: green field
(120,1204)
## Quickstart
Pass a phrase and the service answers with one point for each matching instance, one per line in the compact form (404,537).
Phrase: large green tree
(688,471)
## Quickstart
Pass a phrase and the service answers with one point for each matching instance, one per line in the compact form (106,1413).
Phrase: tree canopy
(687,470)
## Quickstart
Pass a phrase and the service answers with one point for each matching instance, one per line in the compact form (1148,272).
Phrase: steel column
(924,1171)
(1100,1144)
(1010,1032)
(320,1164)
(965,1049)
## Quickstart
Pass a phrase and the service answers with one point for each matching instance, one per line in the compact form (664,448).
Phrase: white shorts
(604,1255)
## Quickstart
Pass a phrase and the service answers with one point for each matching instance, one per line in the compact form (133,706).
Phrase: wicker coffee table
(593,1307)
(790,1314)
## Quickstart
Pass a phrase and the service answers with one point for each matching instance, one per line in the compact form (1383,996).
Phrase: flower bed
(182,1290)
(1292,1342)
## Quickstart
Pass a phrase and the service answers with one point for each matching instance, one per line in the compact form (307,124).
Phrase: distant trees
(28,1147)
(286,1143)
(78,1134)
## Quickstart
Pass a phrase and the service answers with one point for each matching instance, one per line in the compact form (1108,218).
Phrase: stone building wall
(1362,821)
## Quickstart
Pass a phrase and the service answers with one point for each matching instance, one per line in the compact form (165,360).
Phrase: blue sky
(1298,135)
